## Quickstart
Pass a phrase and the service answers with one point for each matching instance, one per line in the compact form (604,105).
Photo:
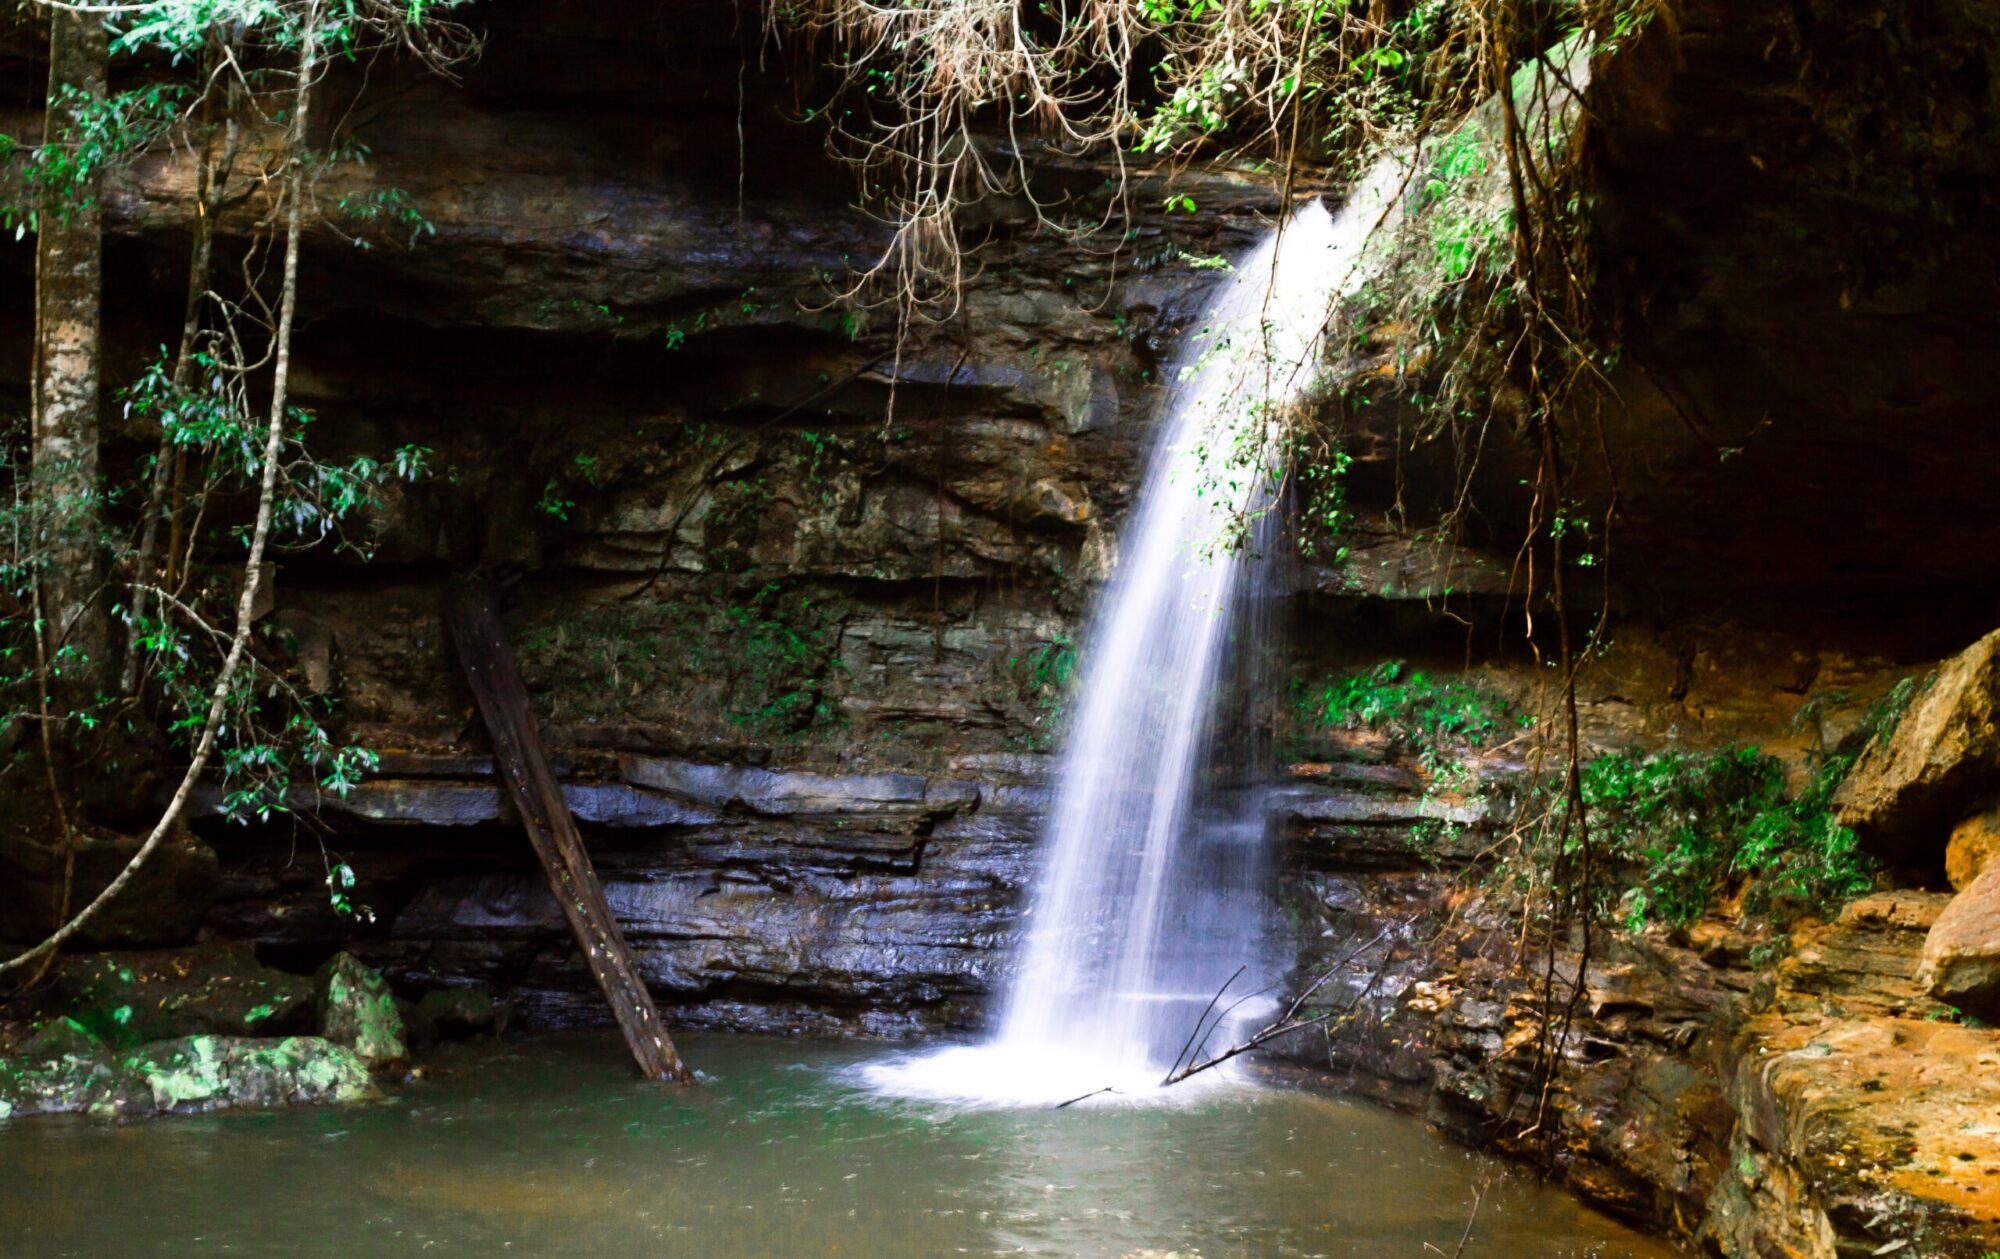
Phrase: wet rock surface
(772,901)
(461,1011)
(168,897)
(757,561)
(883,905)
(1856,1134)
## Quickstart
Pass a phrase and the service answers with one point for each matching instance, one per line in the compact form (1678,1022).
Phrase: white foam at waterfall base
(1154,893)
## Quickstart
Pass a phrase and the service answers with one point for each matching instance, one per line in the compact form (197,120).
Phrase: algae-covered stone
(187,1074)
(60,1070)
(198,1073)
(357,1009)
(59,1039)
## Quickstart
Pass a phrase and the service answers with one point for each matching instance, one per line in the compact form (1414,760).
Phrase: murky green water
(549,1147)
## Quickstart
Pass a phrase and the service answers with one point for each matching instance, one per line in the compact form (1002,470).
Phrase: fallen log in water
(488,664)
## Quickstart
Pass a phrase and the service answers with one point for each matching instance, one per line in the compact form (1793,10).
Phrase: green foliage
(210,421)
(1436,717)
(55,172)
(178,27)
(1323,518)
(1690,824)
(1042,677)
(1883,716)
(385,207)
(820,451)
(783,658)
(582,469)
(1676,832)
(272,736)
(732,523)
(1456,214)
(552,504)
(592,658)
(765,663)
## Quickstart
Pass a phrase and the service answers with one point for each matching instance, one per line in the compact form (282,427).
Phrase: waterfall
(1155,888)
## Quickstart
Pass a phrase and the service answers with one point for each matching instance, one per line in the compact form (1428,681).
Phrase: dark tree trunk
(488,664)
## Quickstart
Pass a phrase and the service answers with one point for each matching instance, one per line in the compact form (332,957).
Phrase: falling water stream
(1154,893)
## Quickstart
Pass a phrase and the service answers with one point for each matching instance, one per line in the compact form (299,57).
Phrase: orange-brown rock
(1971,847)
(1902,796)
(1865,961)
(1859,1136)
(1961,958)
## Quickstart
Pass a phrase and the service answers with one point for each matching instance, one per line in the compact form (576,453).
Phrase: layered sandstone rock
(1905,794)
(1961,959)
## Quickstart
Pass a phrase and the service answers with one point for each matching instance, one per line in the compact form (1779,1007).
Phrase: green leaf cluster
(1435,716)
(1692,825)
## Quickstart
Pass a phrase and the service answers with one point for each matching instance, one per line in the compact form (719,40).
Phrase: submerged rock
(357,1009)
(459,1011)
(1902,796)
(1961,959)
(189,1074)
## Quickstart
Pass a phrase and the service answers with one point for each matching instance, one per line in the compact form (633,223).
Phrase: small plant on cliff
(1691,825)
(1437,718)
(1042,677)
(785,661)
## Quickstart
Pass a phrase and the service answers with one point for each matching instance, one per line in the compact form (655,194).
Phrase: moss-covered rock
(184,1075)
(61,1038)
(218,1072)
(357,1009)
(128,999)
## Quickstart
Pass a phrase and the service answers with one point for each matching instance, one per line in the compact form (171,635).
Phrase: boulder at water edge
(1903,796)
(69,1072)
(357,1009)
(1961,959)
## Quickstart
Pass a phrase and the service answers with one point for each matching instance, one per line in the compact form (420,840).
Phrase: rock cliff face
(1827,1108)
(801,649)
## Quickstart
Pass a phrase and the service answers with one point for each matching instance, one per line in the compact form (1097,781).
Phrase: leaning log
(488,663)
